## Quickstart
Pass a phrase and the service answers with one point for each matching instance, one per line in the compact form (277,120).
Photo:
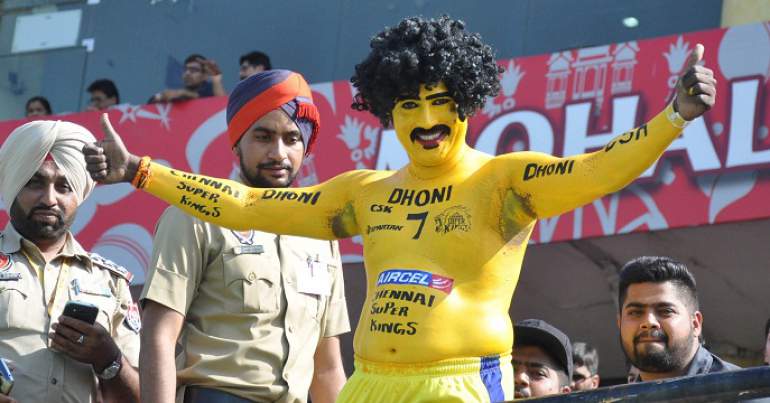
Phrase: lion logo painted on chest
(455,218)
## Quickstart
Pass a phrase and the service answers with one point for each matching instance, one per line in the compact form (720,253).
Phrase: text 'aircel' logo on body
(415,277)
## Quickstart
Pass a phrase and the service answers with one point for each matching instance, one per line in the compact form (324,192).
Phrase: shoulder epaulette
(113,267)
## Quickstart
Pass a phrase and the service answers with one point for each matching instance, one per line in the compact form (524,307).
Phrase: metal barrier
(735,386)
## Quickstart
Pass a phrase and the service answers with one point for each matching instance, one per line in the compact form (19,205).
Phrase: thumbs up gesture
(696,90)
(108,161)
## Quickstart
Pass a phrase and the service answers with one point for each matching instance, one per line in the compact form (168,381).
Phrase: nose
(425,117)
(520,379)
(49,196)
(278,150)
(650,321)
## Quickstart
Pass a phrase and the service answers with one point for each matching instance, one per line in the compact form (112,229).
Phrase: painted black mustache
(270,165)
(652,334)
(419,130)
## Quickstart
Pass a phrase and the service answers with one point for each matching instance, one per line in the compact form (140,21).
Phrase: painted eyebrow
(438,95)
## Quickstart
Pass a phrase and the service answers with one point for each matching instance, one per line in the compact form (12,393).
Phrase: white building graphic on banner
(557,79)
(623,66)
(590,66)
(591,74)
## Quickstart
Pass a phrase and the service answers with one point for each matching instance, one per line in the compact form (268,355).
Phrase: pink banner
(562,103)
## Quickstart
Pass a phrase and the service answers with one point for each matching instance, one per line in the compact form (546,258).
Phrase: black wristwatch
(113,369)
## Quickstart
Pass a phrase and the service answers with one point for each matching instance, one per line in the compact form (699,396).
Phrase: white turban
(26,148)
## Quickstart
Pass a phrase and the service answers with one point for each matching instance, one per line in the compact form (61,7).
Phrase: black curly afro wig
(420,51)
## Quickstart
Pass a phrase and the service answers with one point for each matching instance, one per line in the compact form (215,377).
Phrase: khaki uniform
(249,330)
(29,308)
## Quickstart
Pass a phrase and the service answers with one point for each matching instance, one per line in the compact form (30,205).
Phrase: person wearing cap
(542,359)
(257,314)
(57,358)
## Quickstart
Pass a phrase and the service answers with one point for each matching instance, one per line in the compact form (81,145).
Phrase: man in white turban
(54,357)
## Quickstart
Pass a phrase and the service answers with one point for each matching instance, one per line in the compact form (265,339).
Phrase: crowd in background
(201,77)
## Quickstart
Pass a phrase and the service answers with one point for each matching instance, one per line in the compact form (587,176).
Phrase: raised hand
(696,90)
(108,161)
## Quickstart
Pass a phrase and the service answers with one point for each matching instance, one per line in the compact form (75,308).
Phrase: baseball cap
(536,332)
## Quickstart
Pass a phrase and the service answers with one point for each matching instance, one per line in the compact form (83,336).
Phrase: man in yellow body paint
(444,237)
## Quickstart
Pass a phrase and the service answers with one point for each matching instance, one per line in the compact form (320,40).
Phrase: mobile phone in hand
(82,311)
(6,378)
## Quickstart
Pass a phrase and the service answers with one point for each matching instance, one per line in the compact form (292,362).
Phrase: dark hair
(256,58)
(585,354)
(42,100)
(107,87)
(419,51)
(194,58)
(656,269)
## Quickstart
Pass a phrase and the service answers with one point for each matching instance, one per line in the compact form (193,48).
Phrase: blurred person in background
(37,106)
(103,94)
(201,77)
(252,63)
(585,371)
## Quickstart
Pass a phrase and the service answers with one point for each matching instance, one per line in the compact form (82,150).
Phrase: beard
(35,230)
(258,181)
(673,356)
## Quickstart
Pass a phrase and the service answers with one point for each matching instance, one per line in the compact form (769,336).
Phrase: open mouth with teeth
(430,138)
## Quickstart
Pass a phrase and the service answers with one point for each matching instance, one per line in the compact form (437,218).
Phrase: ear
(697,323)
(596,380)
(566,389)
(617,320)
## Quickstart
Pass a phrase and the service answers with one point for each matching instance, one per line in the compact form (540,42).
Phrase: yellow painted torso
(462,313)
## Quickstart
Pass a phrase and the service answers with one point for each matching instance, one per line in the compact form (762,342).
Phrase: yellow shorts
(485,379)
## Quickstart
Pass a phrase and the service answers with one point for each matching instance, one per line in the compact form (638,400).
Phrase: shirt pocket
(315,304)
(99,294)
(12,303)
(252,281)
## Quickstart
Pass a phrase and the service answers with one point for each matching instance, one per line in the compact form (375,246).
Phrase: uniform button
(252,276)
(54,381)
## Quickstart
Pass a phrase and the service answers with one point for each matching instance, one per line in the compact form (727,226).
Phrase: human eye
(409,105)
(634,312)
(441,101)
(34,183)
(293,138)
(539,374)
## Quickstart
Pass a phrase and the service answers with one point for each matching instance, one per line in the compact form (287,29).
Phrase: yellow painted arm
(547,186)
(323,211)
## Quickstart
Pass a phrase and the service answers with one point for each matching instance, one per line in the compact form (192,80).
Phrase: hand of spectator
(108,161)
(211,68)
(83,342)
(696,90)
(7,399)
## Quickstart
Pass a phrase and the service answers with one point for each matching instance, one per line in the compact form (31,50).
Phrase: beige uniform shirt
(249,330)
(42,374)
